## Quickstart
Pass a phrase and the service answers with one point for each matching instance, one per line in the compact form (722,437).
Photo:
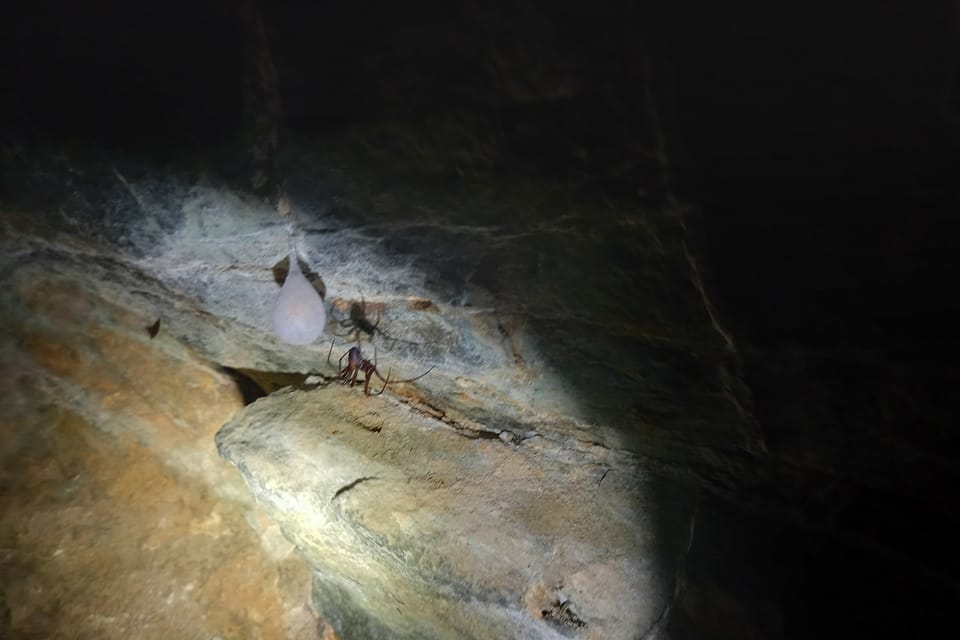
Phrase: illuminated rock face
(585,416)
(109,473)
(501,494)
(422,527)
(527,249)
(510,490)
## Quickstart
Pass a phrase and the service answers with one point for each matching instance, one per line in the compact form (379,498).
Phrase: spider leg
(416,378)
(328,357)
(349,333)
(385,382)
(343,370)
(376,327)
(362,323)
(375,371)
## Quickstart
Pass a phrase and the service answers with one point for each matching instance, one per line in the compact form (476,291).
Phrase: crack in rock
(351,485)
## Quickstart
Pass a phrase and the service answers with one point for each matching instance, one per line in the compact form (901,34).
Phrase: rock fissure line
(351,485)
(429,410)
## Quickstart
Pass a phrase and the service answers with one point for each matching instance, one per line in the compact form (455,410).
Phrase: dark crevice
(250,391)
(351,485)
(471,429)
(254,384)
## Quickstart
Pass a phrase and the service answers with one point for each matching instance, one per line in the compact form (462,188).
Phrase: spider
(359,321)
(356,363)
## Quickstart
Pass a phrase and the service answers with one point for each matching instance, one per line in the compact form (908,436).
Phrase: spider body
(359,321)
(349,372)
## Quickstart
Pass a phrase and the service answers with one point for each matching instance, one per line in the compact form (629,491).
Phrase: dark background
(820,138)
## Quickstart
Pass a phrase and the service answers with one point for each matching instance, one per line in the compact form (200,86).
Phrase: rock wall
(417,529)
(118,518)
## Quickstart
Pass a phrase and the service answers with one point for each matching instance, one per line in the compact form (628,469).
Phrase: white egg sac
(298,315)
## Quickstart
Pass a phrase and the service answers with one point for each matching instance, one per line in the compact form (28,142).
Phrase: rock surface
(118,518)
(489,189)
(416,528)
(543,385)
(536,355)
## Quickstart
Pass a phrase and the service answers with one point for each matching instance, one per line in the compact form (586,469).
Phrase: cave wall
(510,192)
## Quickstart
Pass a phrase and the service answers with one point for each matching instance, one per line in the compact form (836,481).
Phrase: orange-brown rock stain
(112,518)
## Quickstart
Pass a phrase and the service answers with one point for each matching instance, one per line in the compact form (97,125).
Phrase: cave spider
(360,321)
(348,373)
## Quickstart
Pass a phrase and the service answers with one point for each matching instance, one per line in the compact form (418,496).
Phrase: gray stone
(573,353)
(415,529)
